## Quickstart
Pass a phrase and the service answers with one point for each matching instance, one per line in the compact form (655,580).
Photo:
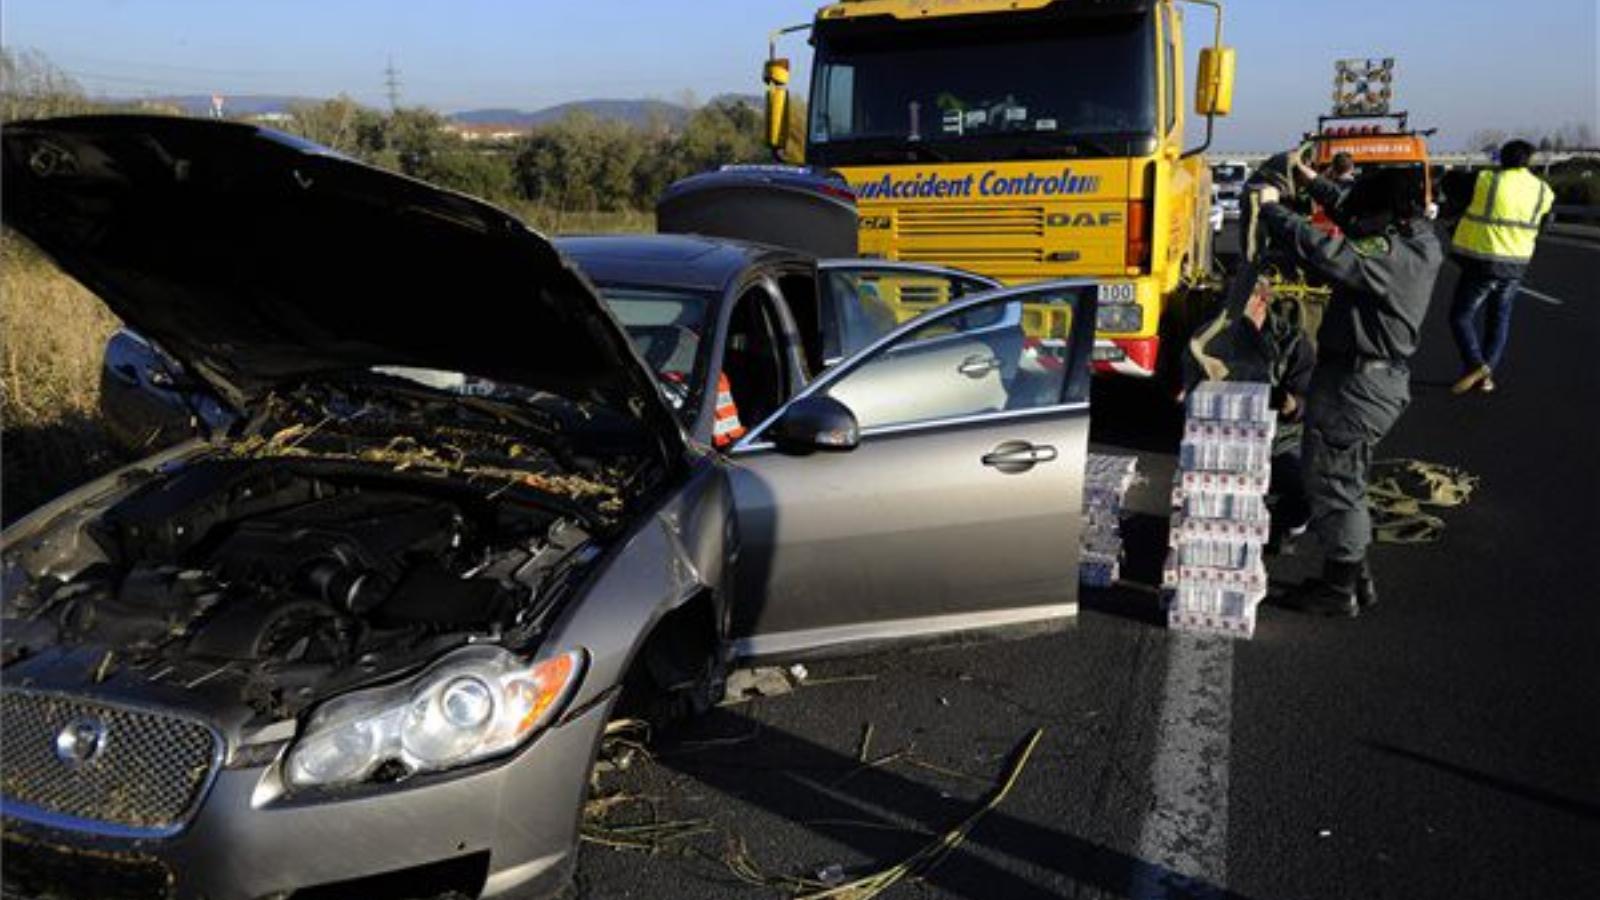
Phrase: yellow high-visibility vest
(1501,223)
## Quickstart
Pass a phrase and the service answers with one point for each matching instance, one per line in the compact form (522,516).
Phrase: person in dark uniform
(1381,272)
(1259,338)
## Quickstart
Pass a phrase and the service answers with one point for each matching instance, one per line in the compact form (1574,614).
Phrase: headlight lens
(475,703)
(1119,317)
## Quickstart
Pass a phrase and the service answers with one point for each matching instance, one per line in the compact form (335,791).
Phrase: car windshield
(979,91)
(1226,174)
(666,327)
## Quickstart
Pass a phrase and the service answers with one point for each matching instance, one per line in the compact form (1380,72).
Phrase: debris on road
(831,874)
(931,855)
(1215,575)
(1400,488)
(761,681)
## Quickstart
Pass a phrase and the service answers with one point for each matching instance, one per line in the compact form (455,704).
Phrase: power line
(391,84)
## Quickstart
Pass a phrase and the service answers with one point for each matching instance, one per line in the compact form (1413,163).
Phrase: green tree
(340,124)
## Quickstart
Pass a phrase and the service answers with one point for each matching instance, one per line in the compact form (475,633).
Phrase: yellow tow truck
(1023,140)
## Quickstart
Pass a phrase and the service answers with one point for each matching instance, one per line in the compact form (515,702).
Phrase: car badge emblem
(81,741)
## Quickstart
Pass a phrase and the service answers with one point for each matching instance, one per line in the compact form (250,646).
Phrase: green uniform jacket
(1381,284)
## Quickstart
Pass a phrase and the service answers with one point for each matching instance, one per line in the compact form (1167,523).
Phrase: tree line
(580,163)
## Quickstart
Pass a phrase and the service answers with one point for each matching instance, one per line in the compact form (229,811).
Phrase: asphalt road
(1447,744)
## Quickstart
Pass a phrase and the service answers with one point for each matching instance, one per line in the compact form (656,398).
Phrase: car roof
(682,261)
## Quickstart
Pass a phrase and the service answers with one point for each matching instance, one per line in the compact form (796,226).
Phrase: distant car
(1228,180)
(366,637)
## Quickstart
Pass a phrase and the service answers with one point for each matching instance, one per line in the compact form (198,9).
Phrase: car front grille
(146,771)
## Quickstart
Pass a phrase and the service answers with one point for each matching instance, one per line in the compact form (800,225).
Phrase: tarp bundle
(1399,492)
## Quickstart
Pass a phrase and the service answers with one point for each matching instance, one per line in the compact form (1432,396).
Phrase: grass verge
(52,332)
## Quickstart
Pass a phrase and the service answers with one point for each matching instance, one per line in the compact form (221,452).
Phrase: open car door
(865,299)
(941,491)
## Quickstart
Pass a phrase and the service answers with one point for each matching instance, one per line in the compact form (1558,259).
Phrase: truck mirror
(776,76)
(1213,89)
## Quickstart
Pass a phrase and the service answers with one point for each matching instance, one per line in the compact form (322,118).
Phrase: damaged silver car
(365,641)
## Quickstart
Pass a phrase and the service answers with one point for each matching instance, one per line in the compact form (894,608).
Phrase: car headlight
(1119,317)
(474,703)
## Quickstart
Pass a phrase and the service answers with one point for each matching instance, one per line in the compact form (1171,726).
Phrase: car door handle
(977,366)
(1019,456)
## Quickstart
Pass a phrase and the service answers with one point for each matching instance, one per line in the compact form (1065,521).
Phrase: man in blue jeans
(1493,244)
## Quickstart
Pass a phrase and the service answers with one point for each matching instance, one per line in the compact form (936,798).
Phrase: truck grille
(977,258)
(966,221)
(146,772)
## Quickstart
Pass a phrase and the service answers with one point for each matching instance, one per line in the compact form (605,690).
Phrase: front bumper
(511,827)
(1127,356)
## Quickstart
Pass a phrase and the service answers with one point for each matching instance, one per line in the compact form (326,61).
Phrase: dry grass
(550,221)
(52,332)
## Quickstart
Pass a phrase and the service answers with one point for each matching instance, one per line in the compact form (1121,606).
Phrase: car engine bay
(292,579)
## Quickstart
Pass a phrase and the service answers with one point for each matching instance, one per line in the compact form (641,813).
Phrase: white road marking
(1553,301)
(1184,838)
(1545,298)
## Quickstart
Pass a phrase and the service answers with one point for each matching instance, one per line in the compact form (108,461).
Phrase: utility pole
(391,84)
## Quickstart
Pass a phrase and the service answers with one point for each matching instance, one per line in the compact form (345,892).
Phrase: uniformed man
(1493,243)
(1381,271)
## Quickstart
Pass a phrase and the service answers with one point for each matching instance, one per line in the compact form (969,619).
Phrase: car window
(666,328)
(752,360)
(866,304)
(799,292)
(1009,355)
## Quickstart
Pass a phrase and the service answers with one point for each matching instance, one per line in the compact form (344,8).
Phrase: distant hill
(633,112)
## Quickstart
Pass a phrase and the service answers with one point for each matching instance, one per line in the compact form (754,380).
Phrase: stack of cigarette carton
(1214,576)
(1105,486)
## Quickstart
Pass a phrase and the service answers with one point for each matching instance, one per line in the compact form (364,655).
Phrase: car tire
(679,671)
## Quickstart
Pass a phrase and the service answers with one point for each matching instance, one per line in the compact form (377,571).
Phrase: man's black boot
(1366,587)
(1334,594)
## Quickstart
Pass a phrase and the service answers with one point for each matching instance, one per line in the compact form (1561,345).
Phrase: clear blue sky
(1465,64)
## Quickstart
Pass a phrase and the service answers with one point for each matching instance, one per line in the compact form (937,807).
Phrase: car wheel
(679,672)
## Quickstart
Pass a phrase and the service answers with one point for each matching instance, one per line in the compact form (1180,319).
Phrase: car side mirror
(816,423)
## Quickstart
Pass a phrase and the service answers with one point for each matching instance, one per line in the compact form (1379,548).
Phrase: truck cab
(1024,140)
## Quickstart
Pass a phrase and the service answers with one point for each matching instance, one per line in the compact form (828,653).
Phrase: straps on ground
(1400,490)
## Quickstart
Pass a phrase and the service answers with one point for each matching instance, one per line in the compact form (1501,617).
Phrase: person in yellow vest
(1493,244)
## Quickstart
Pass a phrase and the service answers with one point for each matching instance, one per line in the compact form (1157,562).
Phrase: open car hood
(256,258)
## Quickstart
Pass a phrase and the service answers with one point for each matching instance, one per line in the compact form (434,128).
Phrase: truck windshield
(1069,86)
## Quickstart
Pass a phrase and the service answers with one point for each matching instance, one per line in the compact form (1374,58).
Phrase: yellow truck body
(974,136)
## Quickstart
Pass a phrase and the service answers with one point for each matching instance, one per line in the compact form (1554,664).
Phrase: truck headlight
(474,703)
(1119,317)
